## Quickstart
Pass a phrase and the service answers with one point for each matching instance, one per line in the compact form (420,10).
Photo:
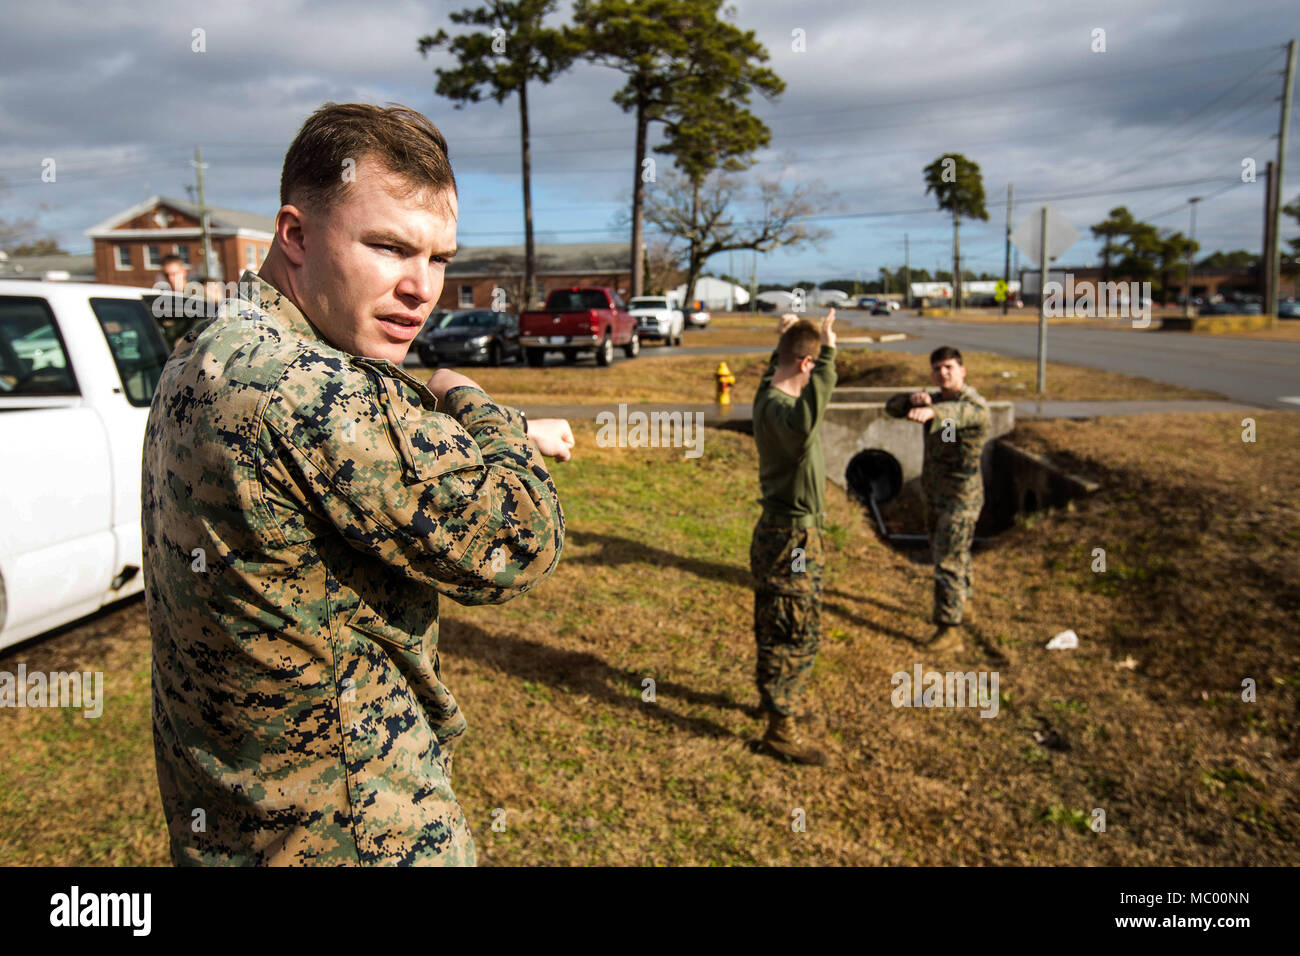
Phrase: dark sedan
(472,335)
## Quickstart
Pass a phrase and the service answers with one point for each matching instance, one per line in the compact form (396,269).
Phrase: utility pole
(731,281)
(956,266)
(1279,190)
(209,272)
(907,272)
(753,280)
(1042,308)
(1266,258)
(1006,256)
(1191,257)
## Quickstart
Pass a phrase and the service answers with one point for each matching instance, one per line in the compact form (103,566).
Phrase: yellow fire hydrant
(725,381)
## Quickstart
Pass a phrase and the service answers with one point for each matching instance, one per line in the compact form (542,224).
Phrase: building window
(466,297)
(123,254)
(152,260)
(252,256)
(183,251)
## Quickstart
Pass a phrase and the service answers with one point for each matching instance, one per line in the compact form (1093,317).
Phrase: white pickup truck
(78,366)
(657,318)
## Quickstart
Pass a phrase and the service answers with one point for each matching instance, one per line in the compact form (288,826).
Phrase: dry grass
(1286,330)
(1200,591)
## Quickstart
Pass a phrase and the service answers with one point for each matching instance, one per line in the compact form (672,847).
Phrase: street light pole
(1191,257)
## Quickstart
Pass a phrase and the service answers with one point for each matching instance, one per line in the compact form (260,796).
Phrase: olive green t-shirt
(791,469)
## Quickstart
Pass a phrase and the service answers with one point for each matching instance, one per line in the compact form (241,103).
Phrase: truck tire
(605,351)
(633,347)
(677,339)
(535,357)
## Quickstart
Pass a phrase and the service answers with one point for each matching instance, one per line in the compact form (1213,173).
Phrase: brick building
(129,246)
(475,272)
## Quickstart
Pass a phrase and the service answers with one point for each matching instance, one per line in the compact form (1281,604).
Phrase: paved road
(1260,373)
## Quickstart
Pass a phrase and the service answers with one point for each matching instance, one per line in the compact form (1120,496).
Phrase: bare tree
(663,267)
(701,217)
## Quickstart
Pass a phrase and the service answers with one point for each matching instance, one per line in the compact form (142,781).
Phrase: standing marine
(956,420)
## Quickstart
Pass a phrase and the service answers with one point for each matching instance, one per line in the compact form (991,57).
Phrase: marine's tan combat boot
(946,639)
(783,740)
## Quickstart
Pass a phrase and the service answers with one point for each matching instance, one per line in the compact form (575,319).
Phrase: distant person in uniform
(785,554)
(179,312)
(306,501)
(956,420)
(175,272)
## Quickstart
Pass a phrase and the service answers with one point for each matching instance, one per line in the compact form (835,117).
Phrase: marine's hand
(920,398)
(828,328)
(787,320)
(921,413)
(444,380)
(553,437)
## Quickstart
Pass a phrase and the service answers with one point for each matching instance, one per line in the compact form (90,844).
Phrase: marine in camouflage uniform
(954,490)
(303,509)
(786,552)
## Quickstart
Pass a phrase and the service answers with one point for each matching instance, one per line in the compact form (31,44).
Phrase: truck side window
(136,344)
(33,360)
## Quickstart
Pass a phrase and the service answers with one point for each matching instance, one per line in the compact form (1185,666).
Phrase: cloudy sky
(1184,92)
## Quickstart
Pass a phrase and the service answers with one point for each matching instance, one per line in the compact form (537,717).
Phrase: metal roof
(549,259)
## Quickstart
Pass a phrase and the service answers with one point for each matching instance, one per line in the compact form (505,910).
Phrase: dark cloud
(1185,91)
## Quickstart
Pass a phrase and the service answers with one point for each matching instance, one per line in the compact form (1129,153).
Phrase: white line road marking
(1293,399)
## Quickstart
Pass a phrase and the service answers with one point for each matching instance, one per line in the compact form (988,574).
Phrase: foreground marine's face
(949,375)
(374,263)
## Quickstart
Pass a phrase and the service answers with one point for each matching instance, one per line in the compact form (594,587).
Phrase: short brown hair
(400,139)
(799,341)
(943,353)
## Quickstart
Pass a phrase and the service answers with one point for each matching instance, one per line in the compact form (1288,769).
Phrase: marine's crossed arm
(457,499)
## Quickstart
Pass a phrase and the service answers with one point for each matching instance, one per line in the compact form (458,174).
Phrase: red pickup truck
(579,319)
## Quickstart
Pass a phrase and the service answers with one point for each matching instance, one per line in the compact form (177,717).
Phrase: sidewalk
(741,412)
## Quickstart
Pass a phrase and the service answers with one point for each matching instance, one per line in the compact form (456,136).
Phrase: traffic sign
(1028,236)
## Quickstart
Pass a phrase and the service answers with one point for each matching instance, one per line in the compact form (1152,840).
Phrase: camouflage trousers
(787,565)
(952,529)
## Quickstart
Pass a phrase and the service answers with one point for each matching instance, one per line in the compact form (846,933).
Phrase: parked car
(881,307)
(867,302)
(579,319)
(470,335)
(699,318)
(1230,308)
(79,363)
(657,318)
(1288,310)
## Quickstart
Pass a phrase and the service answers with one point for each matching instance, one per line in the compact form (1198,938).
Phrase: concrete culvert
(874,474)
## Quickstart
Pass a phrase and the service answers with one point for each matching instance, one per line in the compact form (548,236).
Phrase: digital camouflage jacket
(954,441)
(303,508)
